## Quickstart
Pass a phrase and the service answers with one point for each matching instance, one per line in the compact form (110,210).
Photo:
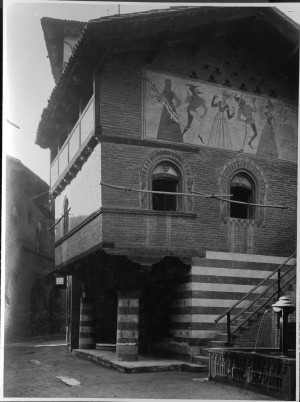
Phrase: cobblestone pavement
(32,372)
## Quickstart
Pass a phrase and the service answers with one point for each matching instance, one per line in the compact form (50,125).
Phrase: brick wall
(216,283)
(200,225)
(121,81)
(275,235)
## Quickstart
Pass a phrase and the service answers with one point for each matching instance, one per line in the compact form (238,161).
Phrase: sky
(28,81)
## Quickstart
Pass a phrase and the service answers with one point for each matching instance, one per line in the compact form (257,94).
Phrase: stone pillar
(128,326)
(87,330)
(73,312)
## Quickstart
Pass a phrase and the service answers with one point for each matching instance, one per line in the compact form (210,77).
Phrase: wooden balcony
(75,150)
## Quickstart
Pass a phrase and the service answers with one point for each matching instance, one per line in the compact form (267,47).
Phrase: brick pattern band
(127,326)
(87,336)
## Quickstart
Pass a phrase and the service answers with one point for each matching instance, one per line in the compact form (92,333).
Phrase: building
(155,117)
(33,304)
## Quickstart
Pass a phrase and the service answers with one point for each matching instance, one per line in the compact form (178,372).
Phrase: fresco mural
(188,111)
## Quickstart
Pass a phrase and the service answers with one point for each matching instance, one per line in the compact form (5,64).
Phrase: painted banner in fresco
(188,111)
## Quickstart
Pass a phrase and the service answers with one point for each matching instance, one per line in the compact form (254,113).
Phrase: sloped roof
(125,29)
(17,165)
(29,183)
(55,31)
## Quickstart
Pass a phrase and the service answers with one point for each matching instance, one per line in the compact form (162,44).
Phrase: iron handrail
(260,295)
(263,304)
(255,287)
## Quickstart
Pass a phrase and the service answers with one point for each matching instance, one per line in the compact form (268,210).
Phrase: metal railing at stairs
(280,286)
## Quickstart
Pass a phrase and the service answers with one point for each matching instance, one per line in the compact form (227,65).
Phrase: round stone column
(127,326)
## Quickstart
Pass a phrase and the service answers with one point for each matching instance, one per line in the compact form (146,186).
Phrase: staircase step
(222,336)
(218,344)
(204,351)
(200,359)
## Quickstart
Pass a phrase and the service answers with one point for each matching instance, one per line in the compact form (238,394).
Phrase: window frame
(178,198)
(251,215)
(251,168)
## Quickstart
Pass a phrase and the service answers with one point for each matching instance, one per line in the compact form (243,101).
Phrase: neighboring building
(183,101)
(33,304)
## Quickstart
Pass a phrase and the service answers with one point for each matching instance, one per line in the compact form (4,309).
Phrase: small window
(243,190)
(66,217)
(165,178)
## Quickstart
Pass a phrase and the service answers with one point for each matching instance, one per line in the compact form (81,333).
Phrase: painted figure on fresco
(267,145)
(169,125)
(244,115)
(289,133)
(219,136)
(196,109)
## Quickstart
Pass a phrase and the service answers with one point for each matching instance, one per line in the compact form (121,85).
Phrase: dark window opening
(242,190)
(166,179)
(164,202)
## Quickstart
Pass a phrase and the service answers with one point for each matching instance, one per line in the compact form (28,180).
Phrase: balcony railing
(78,136)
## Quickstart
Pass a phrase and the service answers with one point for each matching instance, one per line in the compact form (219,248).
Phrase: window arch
(260,185)
(165,177)
(185,173)
(243,189)
(66,216)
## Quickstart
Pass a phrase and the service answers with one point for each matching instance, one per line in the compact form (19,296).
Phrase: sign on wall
(189,111)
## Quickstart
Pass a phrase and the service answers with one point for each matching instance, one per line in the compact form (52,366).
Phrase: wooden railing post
(228,330)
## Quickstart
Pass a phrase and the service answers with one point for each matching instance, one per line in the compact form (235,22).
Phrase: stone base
(264,371)
(127,353)
(145,364)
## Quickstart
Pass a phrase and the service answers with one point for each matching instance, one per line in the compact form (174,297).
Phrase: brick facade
(125,222)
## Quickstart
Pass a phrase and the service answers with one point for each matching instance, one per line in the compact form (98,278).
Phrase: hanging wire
(194,194)
(128,189)
(217,197)
(37,196)
(51,227)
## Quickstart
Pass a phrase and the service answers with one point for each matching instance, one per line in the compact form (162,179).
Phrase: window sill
(243,222)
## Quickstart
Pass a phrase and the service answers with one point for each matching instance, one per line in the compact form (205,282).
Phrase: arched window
(165,177)
(242,189)
(66,217)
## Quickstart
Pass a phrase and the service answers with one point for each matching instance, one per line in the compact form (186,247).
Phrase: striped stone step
(246,315)
(201,360)
(217,344)
(204,352)
(222,336)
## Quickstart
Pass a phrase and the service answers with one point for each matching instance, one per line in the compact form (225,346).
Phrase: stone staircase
(245,336)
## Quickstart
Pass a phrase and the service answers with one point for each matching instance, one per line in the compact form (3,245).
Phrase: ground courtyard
(32,370)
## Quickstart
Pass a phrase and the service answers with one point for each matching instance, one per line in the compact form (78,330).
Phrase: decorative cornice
(142,142)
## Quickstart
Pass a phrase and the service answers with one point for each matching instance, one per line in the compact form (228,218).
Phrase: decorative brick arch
(235,166)
(185,171)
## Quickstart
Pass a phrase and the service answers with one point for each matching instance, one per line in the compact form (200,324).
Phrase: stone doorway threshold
(145,364)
